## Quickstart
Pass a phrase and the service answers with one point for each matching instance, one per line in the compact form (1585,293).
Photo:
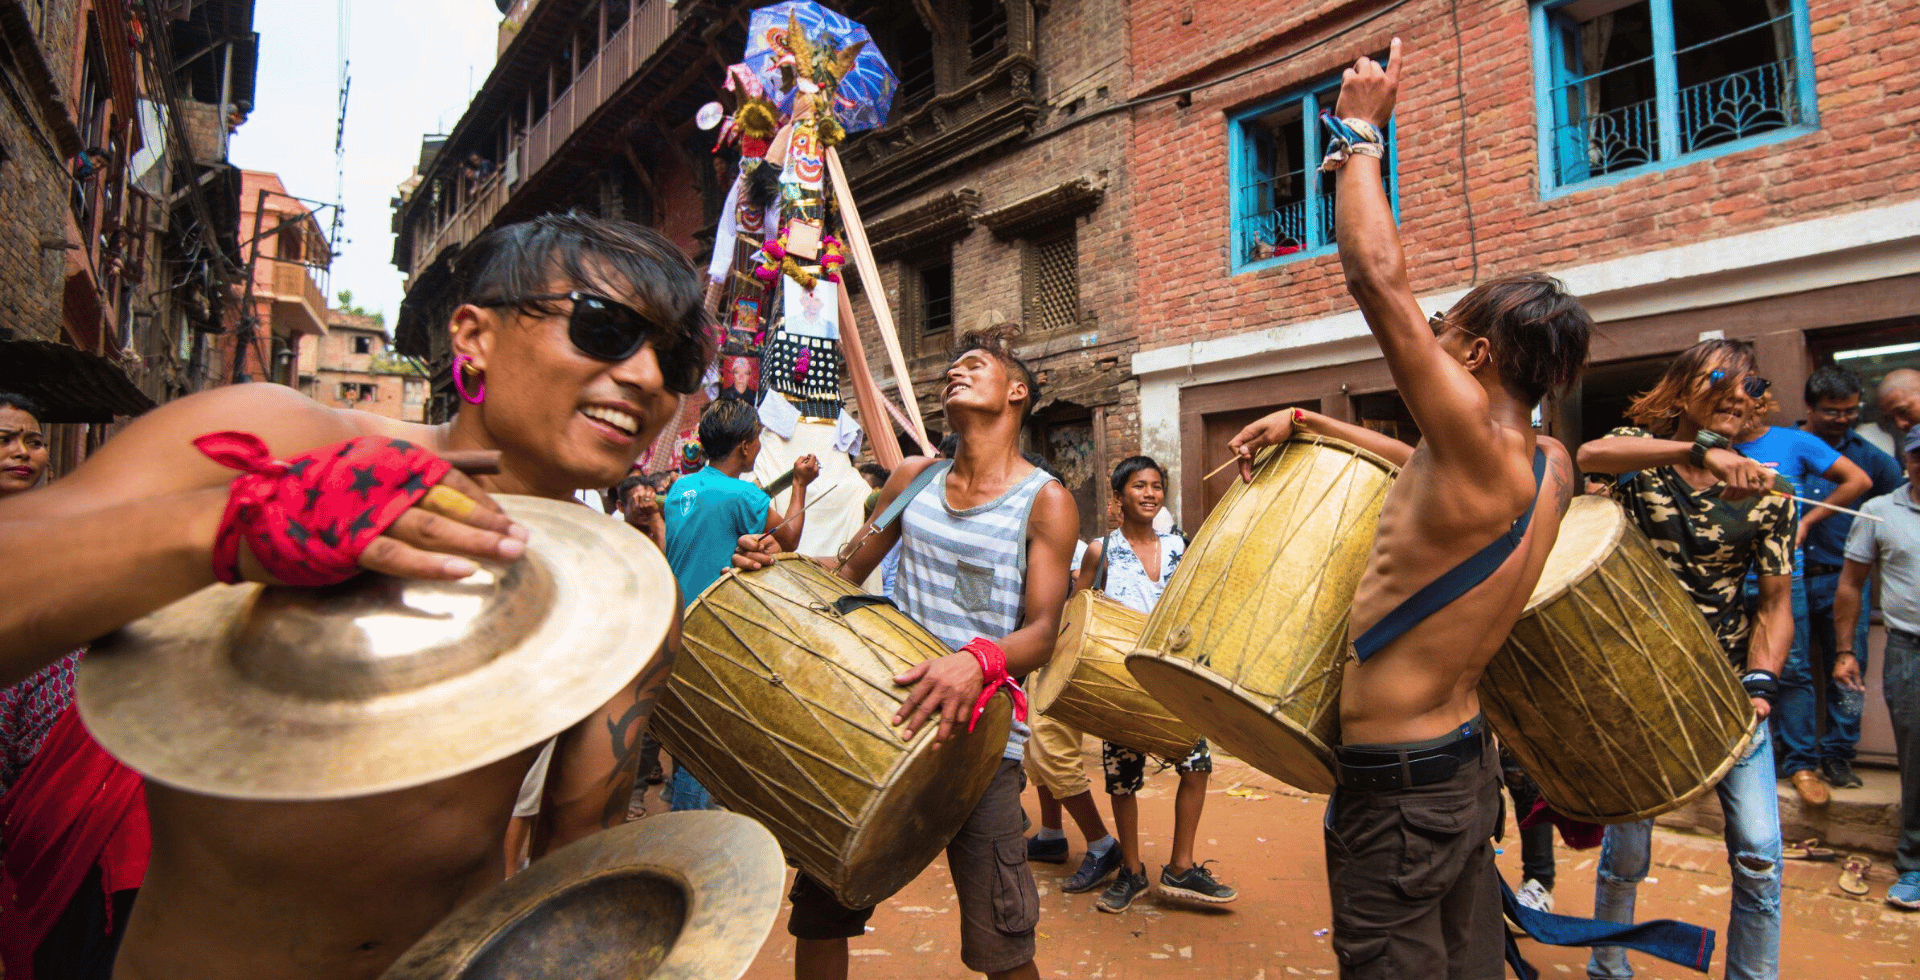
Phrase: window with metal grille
(1050,280)
(936,296)
(1629,86)
(1282,202)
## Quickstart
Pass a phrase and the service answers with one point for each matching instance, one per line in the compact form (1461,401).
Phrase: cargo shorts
(999,903)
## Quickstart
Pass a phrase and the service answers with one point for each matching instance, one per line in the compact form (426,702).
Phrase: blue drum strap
(1454,583)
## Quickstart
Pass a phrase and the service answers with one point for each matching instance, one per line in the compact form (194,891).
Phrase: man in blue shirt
(1801,459)
(1833,406)
(707,512)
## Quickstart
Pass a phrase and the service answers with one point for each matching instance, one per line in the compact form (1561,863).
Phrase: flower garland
(776,260)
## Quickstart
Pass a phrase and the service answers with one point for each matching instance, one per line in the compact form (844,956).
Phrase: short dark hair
(725,425)
(1040,463)
(997,342)
(1538,330)
(519,260)
(626,486)
(10,400)
(875,469)
(1831,383)
(949,446)
(1134,464)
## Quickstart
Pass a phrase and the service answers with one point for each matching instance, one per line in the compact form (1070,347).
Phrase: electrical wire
(1466,190)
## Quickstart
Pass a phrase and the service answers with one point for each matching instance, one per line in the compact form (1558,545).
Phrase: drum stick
(803,509)
(1822,503)
(1219,470)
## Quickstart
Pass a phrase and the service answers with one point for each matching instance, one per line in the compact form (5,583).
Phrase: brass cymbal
(680,896)
(380,683)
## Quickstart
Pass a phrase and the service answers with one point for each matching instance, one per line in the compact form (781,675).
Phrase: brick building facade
(1795,223)
(117,226)
(287,256)
(997,190)
(353,365)
(1736,168)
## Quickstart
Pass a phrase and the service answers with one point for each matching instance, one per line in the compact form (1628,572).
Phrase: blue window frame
(1626,87)
(1282,203)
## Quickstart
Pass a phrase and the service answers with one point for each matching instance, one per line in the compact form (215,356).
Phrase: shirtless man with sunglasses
(576,341)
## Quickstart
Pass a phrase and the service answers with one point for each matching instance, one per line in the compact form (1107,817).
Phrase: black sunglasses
(606,330)
(1753,385)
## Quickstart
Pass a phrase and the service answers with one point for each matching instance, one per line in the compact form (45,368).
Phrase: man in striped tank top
(984,552)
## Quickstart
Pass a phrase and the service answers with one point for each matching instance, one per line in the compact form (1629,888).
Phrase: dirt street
(1267,844)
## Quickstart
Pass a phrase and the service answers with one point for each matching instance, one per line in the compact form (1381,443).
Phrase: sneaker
(1126,887)
(1905,893)
(1839,773)
(1094,869)
(1195,884)
(1534,895)
(1051,851)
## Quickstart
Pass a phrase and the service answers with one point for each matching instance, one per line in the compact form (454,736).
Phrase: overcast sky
(414,63)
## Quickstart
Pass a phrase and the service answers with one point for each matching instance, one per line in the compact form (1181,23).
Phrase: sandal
(1808,850)
(1853,876)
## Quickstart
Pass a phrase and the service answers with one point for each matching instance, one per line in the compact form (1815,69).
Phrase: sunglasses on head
(606,330)
(1753,385)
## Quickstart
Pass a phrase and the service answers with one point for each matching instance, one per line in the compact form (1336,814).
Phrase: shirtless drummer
(964,542)
(1481,496)
(576,339)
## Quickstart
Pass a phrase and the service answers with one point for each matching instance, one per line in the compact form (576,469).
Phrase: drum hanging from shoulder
(1612,689)
(1087,686)
(1247,643)
(782,705)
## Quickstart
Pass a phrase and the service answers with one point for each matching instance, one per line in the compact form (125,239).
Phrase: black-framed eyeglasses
(1753,385)
(608,330)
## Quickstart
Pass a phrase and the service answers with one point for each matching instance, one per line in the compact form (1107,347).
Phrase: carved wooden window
(1050,281)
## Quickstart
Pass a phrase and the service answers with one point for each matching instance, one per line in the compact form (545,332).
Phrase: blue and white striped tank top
(963,573)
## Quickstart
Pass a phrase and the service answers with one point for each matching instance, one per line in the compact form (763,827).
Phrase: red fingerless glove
(993,664)
(309,518)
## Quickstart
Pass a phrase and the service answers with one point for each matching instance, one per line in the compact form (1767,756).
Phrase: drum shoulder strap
(886,517)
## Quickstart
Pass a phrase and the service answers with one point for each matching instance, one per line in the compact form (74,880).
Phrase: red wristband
(308,518)
(993,667)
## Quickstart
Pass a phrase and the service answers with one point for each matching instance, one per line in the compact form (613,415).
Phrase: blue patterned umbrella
(865,93)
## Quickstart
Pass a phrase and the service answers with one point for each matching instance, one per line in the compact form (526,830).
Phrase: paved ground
(1268,845)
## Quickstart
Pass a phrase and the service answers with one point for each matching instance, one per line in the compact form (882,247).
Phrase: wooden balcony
(298,305)
(618,59)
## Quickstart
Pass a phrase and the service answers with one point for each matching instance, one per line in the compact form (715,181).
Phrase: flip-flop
(1853,876)
(1808,850)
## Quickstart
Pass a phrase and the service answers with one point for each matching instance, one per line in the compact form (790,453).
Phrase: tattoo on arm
(1560,478)
(628,734)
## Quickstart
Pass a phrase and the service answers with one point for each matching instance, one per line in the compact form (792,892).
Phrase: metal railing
(616,61)
(1723,109)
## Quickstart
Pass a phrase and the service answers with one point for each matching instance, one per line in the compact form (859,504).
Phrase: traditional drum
(1612,690)
(1087,686)
(782,705)
(1247,642)
(680,896)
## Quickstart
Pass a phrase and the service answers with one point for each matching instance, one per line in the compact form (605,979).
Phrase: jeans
(1793,748)
(1796,708)
(1902,682)
(685,792)
(1752,812)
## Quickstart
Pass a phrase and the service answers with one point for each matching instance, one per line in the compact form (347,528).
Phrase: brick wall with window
(1522,141)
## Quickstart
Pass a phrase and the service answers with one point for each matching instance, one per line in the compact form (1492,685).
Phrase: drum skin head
(1266,740)
(1087,685)
(680,896)
(782,705)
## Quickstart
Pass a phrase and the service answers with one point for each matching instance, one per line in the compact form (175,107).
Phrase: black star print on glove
(362,523)
(412,483)
(298,532)
(364,480)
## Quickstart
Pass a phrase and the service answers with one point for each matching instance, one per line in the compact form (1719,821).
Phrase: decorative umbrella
(864,94)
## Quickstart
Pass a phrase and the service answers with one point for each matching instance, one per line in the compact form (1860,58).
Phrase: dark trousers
(1411,874)
(1902,683)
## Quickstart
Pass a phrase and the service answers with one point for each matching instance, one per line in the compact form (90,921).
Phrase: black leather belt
(1816,568)
(1374,770)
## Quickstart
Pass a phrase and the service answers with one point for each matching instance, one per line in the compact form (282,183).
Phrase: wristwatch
(1704,440)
